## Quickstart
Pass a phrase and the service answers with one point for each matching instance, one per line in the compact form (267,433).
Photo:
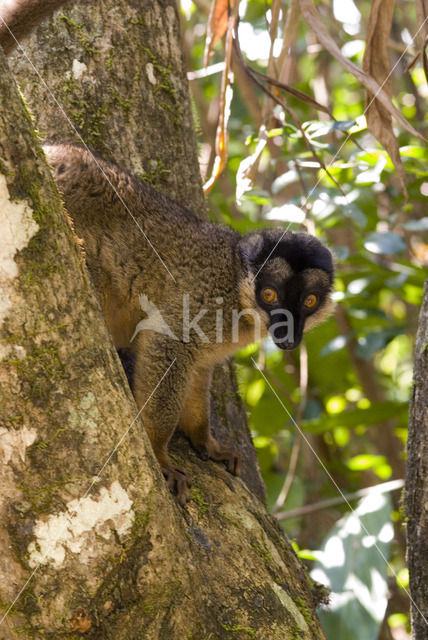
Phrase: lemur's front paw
(178,483)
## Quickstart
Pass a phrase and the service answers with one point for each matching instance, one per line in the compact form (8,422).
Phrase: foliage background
(332,418)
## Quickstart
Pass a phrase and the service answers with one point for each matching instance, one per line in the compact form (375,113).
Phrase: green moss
(320,593)
(27,604)
(17,420)
(177,459)
(109,60)
(40,370)
(148,608)
(136,79)
(76,29)
(96,125)
(37,274)
(41,499)
(72,24)
(23,631)
(44,212)
(139,20)
(90,122)
(125,104)
(238,627)
(263,552)
(308,616)
(190,636)
(165,85)
(158,171)
(196,496)
(69,86)
(141,520)
(228,519)
(44,444)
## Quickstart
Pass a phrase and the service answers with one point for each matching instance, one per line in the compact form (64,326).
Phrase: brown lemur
(182,294)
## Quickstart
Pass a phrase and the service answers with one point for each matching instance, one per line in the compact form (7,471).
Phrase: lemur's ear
(251,245)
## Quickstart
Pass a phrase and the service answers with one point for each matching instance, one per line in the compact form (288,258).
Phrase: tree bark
(89,531)
(417,481)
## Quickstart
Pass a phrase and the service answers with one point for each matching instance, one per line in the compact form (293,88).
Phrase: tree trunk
(90,533)
(417,481)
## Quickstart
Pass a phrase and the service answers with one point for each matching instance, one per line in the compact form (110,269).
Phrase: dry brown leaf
(248,168)
(226,94)
(312,17)
(376,64)
(291,29)
(217,25)
(221,138)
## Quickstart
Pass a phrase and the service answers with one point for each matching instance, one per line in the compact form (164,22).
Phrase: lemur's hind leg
(161,370)
(194,421)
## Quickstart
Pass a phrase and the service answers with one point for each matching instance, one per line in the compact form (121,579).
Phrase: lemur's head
(291,277)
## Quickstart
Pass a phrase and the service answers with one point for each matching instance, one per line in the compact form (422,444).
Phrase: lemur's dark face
(293,279)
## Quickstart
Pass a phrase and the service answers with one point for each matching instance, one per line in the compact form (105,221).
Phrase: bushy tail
(91,185)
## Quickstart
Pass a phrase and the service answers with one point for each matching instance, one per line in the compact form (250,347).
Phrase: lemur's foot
(178,483)
(214,450)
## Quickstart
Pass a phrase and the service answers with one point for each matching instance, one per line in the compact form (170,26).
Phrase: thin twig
(294,457)
(294,92)
(287,109)
(288,39)
(384,487)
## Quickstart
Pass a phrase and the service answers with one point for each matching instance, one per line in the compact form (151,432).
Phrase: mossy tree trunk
(417,481)
(106,550)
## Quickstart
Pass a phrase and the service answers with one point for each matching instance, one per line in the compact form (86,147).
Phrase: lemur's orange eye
(269,295)
(310,301)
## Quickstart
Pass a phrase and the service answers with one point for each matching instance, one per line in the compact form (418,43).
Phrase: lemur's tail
(85,180)
(18,18)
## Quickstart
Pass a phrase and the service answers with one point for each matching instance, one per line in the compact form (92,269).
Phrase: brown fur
(21,17)
(122,254)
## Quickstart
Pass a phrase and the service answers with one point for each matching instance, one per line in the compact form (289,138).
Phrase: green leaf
(334,345)
(365,461)
(272,133)
(357,286)
(395,282)
(413,152)
(255,391)
(384,242)
(351,563)
(374,341)
(318,128)
(341,253)
(416,225)
(283,180)
(355,213)
(372,157)
(378,412)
